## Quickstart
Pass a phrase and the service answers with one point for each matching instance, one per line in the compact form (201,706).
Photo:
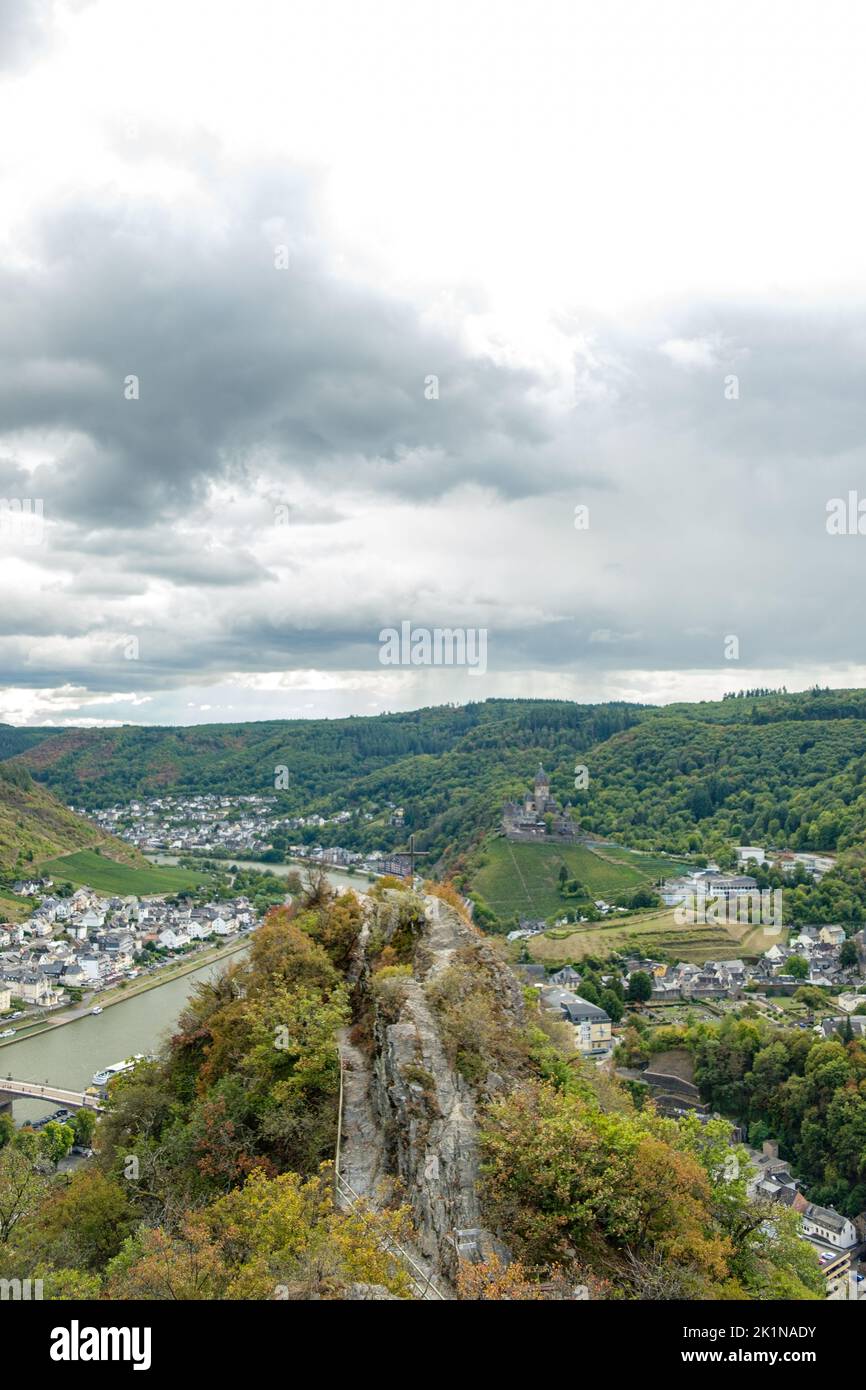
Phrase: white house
(825,1224)
(173,940)
(676,891)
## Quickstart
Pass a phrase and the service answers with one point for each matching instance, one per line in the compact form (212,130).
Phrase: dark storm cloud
(180,558)
(234,356)
(707,511)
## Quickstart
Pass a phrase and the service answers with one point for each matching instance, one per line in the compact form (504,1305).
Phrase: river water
(68,1056)
(338,877)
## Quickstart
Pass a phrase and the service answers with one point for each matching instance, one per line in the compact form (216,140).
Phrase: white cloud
(555,208)
(692,352)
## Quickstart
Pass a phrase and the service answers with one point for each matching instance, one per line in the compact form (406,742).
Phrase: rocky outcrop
(426,1110)
(362,1148)
(364,1293)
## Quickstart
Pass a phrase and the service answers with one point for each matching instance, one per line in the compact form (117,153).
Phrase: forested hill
(448,766)
(16,740)
(35,826)
(768,767)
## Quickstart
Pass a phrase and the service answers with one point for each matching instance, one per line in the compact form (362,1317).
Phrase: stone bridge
(30,1090)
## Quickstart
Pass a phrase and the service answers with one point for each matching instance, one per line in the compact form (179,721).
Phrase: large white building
(747,852)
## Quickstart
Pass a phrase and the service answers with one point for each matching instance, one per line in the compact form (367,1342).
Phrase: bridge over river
(30,1090)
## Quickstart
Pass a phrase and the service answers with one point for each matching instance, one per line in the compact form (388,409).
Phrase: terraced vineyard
(524,878)
(655,934)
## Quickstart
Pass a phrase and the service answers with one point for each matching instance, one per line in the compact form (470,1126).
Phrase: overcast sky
(626,238)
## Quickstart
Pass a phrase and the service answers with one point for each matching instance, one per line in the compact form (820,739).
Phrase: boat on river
(102,1078)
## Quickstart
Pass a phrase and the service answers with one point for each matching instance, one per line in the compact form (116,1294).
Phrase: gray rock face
(362,1153)
(427,1111)
(364,1293)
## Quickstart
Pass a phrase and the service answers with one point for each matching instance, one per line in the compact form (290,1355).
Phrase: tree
(491,1280)
(84,1124)
(22,1184)
(85,1224)
(848,954)
(55,1140)
(640,987)
(158,1265)
(612,1005)
(797,966)
(281,1232)
(566,1181)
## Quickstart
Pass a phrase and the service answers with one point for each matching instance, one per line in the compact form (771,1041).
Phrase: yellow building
(593,1034)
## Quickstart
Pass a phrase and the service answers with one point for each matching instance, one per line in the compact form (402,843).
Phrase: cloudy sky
(627,241)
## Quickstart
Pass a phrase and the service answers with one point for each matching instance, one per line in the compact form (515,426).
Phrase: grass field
(106,876)
(654,934)
(524,878)
(651,867)
(13,909)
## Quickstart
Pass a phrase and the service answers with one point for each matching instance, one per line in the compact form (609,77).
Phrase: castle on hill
(529,819)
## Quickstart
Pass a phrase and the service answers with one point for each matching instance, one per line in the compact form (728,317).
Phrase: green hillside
(450,768)
(14,739)
(686,783)
(34,826)
(107,876)
(524,878)
(685,779)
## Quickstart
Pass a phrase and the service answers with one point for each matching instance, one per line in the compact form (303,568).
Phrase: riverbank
(118,994)
(340,878)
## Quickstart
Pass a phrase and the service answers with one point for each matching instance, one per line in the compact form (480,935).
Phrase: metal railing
(421,1279)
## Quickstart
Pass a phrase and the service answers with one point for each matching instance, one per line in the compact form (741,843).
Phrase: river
(338,877)
(68,1056)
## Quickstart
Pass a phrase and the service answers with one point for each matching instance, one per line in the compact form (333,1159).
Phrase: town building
(593,1034)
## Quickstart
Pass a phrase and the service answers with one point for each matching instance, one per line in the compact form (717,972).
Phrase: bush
(390,988)
(478,1037)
